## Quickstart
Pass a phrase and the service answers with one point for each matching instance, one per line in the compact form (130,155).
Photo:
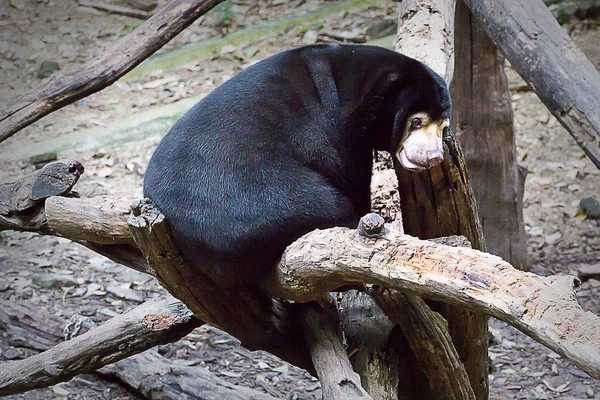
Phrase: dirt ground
(61,31)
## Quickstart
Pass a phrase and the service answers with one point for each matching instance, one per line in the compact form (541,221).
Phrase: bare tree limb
(323,338)
(71,218)
(152,323)
(426,33)
(257,320)
(546,58)
(128,52)
(544,308)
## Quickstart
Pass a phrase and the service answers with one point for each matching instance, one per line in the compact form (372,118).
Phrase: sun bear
(285,147)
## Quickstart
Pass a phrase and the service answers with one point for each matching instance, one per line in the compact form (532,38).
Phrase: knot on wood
(371,225)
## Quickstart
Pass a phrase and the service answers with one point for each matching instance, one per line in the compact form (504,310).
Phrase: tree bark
(115,62)
(440,202)
(546,58)
(427,335)
(543,308)
(324,340)
(483,123)
(135,331)
(158,378)
(19,198)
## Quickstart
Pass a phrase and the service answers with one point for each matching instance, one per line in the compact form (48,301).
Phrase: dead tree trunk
(439,202)
(483,122)
(546,58)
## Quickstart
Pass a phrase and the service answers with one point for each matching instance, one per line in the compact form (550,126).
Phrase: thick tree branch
(322,261)
(426,33)
(152,323)
(544,308)
(427,334)
(70,86)
(545,56)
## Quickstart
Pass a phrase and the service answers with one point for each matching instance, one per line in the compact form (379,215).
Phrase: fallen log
(125,54)
(158,378)
(547,59)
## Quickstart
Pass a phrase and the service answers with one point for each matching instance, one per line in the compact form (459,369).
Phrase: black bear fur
(281,149)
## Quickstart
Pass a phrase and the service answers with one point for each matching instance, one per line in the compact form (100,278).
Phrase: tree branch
(544,308)
(323,338)
(115,62)
(152,323)
(427,334)
(440,202)
(545,56)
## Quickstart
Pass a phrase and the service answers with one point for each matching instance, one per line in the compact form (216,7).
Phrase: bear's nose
(435,157)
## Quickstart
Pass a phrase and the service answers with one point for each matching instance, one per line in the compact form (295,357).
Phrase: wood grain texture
(324,339)
(483,123)
(544,308)
(427,334)
(545,56)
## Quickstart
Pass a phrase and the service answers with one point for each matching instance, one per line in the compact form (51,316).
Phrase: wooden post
(483,123)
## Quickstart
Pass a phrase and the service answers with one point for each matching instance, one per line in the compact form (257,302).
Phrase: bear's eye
(416,123)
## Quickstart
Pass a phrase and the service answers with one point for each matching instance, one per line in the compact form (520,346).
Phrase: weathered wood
(483,123)
(439,202)
(257,320)
(154,322)
(427,335)
(546,58)
(367,333)
(53,179)
(107,224)
(69,86)
(426,33)
(324,339)
(544,308)
(158,378)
